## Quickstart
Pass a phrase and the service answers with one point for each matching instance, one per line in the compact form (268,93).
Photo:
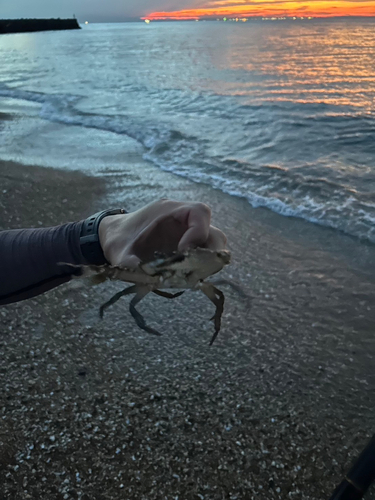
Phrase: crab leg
(139,319)
(234,287)
(167,295)
(217,297)
(116,297)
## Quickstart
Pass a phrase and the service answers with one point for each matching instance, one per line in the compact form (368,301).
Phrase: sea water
(279,113)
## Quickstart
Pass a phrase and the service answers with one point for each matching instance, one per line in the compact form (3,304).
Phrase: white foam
(185,156)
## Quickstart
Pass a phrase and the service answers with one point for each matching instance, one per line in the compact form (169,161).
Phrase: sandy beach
(277,408)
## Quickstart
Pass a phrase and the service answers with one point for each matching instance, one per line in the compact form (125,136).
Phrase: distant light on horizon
(147,21)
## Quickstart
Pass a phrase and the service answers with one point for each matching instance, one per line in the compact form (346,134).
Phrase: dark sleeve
(29,260)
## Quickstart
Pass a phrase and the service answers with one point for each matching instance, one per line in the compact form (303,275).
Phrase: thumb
(129,261)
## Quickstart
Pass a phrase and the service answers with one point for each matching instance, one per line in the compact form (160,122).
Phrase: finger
(197,218)
(216,239)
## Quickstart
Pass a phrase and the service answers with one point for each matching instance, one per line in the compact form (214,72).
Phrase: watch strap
(89,237)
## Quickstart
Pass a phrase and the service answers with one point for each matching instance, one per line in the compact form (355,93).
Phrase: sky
(121,10)
(268,8)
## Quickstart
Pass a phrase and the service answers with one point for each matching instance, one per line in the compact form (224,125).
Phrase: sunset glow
(270,8)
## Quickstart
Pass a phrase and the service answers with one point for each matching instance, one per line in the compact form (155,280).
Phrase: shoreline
(17,111)
(283,399)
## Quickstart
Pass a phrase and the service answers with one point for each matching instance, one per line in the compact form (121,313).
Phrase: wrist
(90,244)
(108,231)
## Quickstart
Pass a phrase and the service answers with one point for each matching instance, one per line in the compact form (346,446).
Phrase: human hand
(162,226)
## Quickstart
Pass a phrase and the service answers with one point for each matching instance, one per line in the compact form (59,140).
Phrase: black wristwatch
(89,237)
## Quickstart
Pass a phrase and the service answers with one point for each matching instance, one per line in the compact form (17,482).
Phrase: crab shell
(181,270)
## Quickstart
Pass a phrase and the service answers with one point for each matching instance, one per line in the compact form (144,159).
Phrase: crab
(180,270)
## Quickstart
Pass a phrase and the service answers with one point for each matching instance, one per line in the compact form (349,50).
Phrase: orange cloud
(271,8)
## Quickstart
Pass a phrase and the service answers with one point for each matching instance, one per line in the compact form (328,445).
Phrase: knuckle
(162,201)
(205,209)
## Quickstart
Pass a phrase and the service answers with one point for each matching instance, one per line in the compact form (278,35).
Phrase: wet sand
(276,409)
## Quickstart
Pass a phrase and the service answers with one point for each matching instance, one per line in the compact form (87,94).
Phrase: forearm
(29,260)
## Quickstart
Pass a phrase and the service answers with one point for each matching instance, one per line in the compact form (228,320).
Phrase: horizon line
(206,18)
(260,16)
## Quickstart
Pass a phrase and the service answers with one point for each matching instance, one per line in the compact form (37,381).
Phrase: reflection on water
(301,63)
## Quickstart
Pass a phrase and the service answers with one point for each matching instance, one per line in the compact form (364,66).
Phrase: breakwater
(27,25)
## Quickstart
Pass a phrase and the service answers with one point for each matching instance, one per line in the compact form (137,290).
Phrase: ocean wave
(289,192)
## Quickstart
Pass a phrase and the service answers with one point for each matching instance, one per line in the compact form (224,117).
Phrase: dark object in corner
(27,25)
(360,476)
